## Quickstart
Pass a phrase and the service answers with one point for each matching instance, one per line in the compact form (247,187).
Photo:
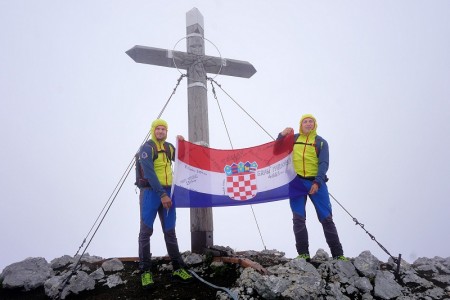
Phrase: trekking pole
(396,260)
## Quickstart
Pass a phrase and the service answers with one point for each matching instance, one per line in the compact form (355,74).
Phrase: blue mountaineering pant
(150,205)
(321,201)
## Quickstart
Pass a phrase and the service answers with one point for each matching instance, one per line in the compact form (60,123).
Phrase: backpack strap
(168,150)
(309,144)
(141,182)
(314,144)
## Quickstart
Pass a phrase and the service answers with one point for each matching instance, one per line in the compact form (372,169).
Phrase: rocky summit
(247,275)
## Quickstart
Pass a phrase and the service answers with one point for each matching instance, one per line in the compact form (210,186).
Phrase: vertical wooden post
(201,218)
(197,65)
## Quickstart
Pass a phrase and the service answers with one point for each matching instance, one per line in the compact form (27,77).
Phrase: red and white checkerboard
(242,186)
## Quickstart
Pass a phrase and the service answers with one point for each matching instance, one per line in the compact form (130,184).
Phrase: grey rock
(344,271)
(28,274)
(302,266)
(366,296)
(224,249)
(296,279)
(446,262)
(404,266)
(165,267)
(367,264)
(325,269)
(88,258)
(272,252)
(217,264)
(411,278)
(61,262)
(81,281)
(444,279)
(425,264)
(363,284)
(273,286)
(112,265)
(435,293)
(363,277)
(98,274)
(114,280)
(321,256)
(54,285)
(334,290)
(193,258)
(385,286)
(61,286)
(351,290)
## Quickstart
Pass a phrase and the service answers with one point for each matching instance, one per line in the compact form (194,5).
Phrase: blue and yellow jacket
(157,169)
(310,154)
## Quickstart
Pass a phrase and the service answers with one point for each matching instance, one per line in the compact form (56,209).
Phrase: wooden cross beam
(197,65)
(183,60)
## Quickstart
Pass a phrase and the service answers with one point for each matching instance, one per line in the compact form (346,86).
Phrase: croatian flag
(206,177)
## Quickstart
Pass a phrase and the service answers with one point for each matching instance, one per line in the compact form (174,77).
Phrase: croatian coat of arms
(241,180)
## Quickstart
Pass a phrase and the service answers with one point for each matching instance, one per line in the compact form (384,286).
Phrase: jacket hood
(313,131)
(156,123)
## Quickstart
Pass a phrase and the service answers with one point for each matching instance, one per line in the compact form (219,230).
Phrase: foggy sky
(75,108)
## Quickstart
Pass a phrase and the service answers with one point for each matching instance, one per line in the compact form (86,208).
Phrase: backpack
(169,149)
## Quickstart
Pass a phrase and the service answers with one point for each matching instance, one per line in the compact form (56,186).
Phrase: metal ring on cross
(197,64)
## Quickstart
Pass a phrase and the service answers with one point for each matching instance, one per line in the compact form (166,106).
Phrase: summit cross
(197,65)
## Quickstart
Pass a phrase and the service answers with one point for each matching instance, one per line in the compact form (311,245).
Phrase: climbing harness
(395,259)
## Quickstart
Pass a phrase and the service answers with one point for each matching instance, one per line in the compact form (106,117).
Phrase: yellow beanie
(159,122)
(156,123)
(307,116)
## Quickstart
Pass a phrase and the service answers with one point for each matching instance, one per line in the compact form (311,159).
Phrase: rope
(257,225)
(170,97)
(221,113)
(396,260)
(77,265)
(120,183)
(233,295)
(231,144)
(212,80)
(112,198)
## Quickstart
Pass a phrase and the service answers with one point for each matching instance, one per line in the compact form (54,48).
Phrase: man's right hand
(286,131)
(166,202)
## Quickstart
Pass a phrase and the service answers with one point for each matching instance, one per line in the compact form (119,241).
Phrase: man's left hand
(166,202)
(314,188)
